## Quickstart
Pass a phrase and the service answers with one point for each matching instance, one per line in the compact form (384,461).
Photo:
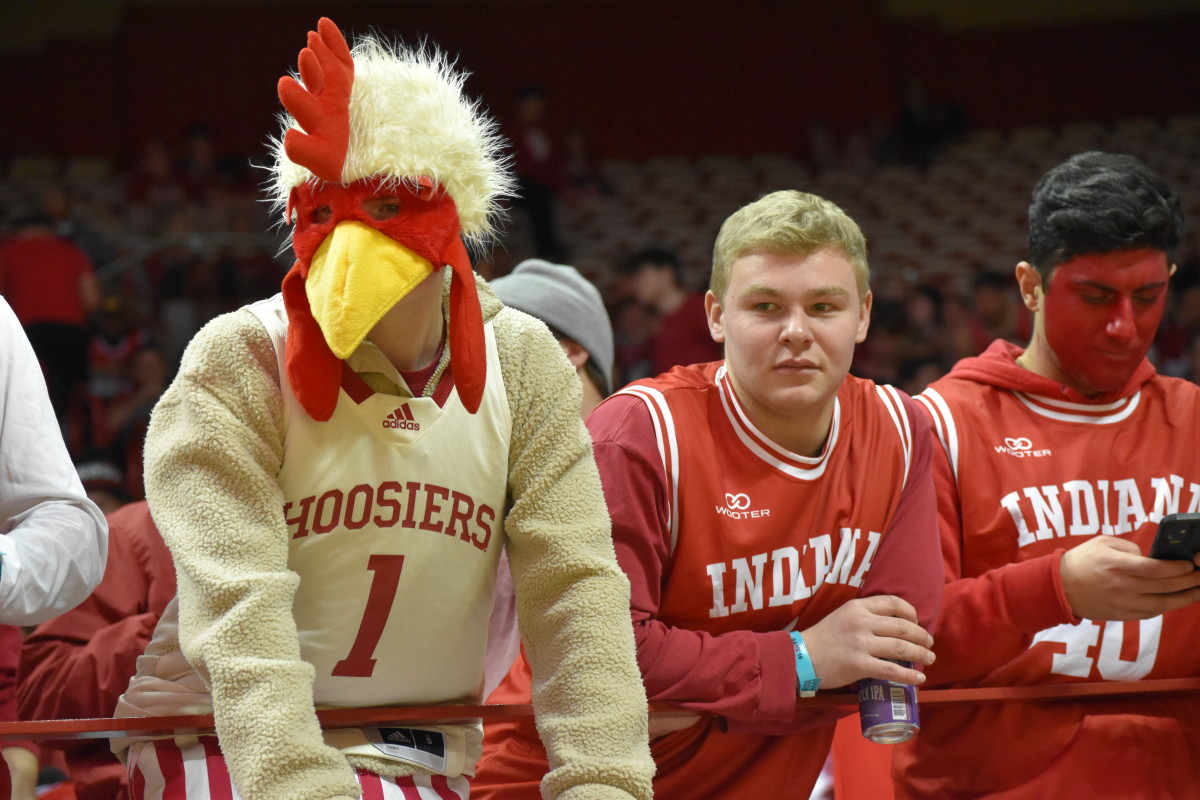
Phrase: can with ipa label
(888,710)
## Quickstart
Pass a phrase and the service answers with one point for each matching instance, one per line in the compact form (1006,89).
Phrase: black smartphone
(1178,537)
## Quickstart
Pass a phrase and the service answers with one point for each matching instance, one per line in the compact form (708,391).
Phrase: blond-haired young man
(775,516)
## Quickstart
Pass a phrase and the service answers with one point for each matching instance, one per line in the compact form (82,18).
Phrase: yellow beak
(355,277)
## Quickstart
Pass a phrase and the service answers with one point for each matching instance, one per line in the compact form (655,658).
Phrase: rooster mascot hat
(379,120)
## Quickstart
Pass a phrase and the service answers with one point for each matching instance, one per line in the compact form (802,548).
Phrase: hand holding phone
(1177,538)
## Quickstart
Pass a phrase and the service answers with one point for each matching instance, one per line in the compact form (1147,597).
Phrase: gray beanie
(566,301)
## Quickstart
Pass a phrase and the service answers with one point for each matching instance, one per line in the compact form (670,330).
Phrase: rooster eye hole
(322,215)
(382,209)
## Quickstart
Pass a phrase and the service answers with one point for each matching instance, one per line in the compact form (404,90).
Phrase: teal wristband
(807,676)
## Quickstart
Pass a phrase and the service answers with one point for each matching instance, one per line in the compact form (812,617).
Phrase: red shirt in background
(40,275)
(682,338)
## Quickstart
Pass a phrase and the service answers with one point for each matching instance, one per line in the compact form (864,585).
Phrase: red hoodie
(1029,469)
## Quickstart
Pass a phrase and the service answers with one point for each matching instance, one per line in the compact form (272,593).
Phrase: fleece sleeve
(572,598)
(986,621)
(742,675)
(53,539)
(213,449)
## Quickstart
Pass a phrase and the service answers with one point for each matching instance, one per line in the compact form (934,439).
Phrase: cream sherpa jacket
(213,450)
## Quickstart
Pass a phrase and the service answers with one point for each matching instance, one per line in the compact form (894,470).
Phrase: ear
(716,316)
(1030,281)
(864,317)
(575,352)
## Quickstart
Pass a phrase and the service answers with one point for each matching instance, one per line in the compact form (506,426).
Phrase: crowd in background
(144,258)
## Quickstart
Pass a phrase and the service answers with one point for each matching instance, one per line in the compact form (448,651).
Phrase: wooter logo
(1021,447)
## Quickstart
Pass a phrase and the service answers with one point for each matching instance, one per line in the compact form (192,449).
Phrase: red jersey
(730,542)
(1029,469)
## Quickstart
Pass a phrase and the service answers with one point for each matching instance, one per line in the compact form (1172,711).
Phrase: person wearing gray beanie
(572,308)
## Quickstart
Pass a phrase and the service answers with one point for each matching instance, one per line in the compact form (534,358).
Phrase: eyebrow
(811,294)
(1106,288)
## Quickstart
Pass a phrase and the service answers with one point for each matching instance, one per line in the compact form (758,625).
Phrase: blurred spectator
(931,332)
(75,666)
(1179,331)
(957,337)
(539,172)
(105,485)
(878,358)
(51,286)
(923,316)
(583,178)
(178,274)
(998,312)
(681,334)
(116,338)
(246,272)
(1189,370)
(633,325)
(58,205)
(125,418)
(915,374)
(217,185)
(198,169)
(157,192)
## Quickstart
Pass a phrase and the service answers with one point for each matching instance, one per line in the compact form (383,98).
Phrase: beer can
(888,710)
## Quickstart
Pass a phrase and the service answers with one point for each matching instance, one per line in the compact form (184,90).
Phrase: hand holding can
(888,710)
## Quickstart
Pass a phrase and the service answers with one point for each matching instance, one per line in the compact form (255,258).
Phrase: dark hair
(1100,203)
(658,256)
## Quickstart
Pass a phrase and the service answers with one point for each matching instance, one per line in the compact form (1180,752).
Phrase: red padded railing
(367,717)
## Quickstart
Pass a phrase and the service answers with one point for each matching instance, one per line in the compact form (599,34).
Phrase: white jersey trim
(787,462)
(668,448)
(943,425)
(895,408)
(1085,413)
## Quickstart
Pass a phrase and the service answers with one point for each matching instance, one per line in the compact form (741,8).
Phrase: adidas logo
(402,418)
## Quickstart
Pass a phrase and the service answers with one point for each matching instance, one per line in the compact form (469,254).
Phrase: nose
(796,330)
(1120,326)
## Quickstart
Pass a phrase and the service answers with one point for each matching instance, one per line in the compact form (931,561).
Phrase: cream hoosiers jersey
(395,510)
(395,507)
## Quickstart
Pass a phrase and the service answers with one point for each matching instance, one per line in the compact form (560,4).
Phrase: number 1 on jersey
(360,663)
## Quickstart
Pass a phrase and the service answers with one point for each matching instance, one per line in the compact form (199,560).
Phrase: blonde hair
(788,222)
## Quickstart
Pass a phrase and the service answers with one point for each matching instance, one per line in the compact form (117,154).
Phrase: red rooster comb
(321,106)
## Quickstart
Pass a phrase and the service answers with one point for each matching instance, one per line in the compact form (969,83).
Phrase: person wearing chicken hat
(337,469)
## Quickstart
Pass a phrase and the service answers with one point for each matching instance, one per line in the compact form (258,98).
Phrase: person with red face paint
(1057,462)
(336,470)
